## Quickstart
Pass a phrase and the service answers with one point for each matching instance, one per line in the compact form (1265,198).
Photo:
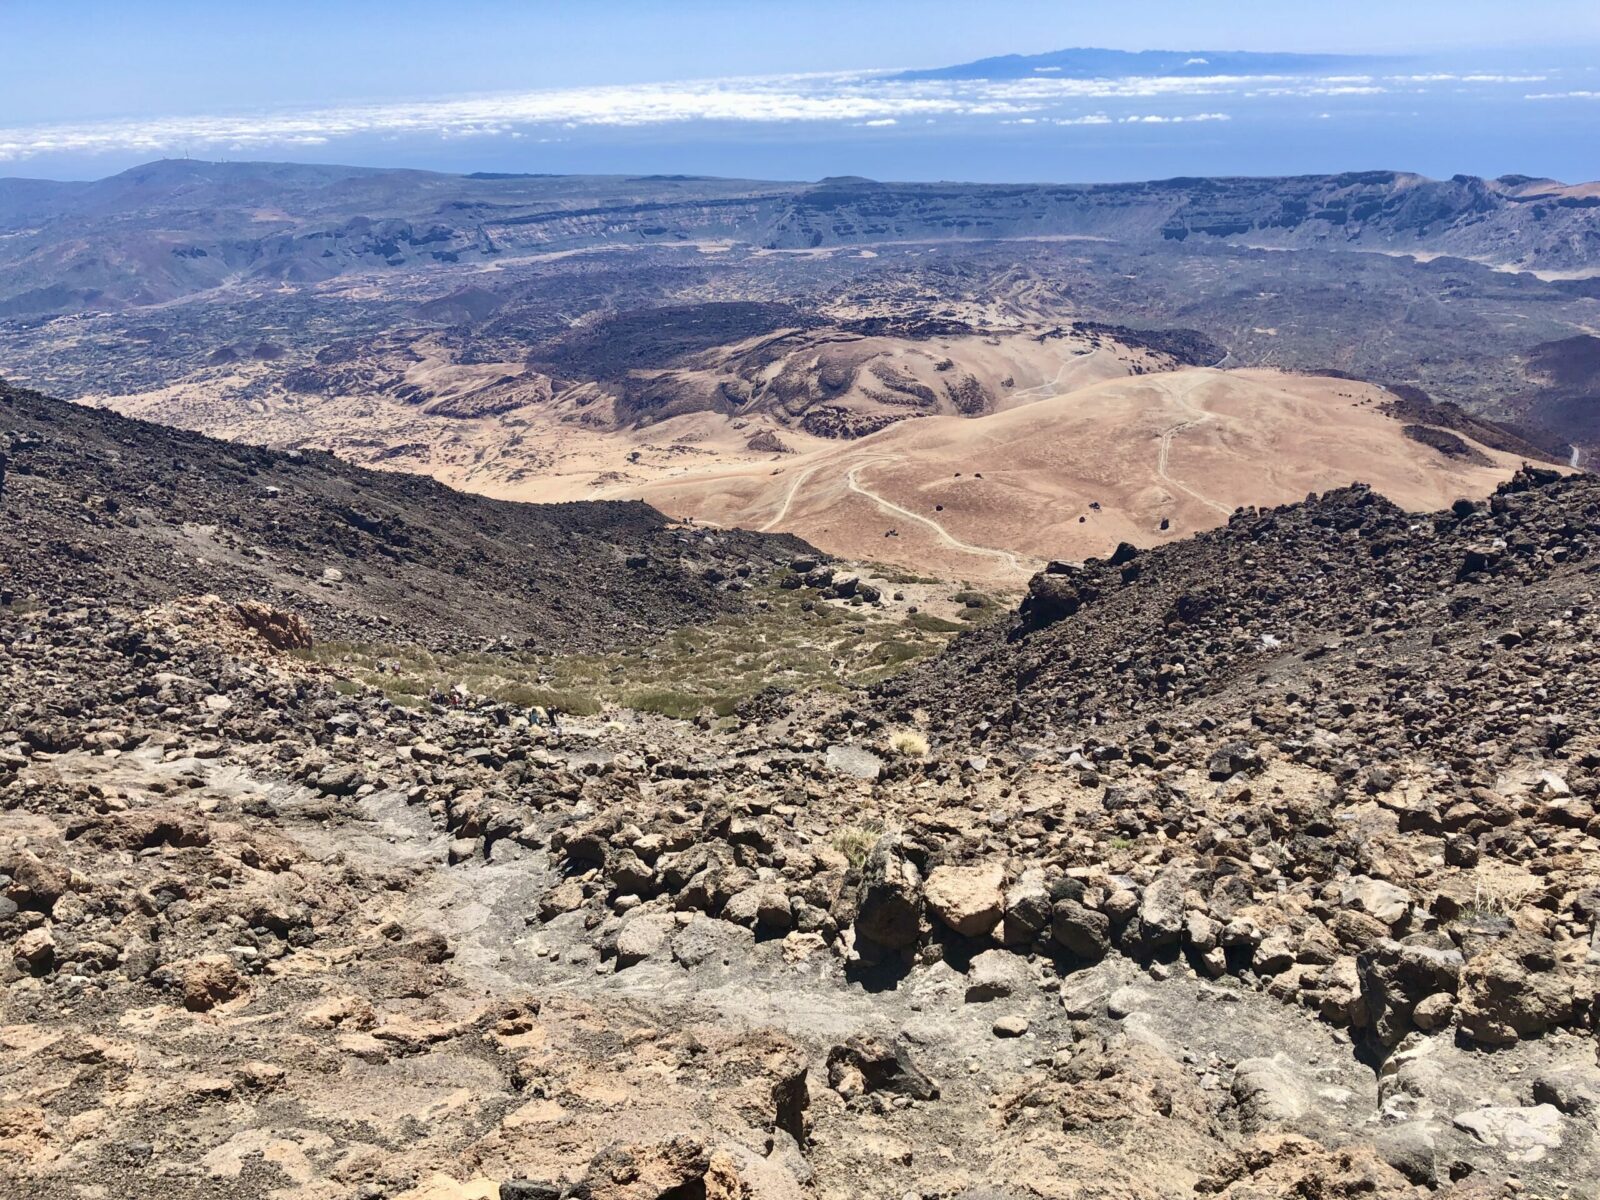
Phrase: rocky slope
(1262,864)
(105,507)
(1314,599)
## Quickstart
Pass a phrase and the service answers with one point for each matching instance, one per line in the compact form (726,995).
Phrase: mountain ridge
(1089,62)
(173,228)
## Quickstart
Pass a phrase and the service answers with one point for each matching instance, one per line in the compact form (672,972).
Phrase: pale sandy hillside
(1144,459)
(1093,443)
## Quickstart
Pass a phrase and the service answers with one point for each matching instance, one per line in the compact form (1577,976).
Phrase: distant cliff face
(1535,224)
(170,229)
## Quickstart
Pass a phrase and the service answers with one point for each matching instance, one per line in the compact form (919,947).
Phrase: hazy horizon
(706,87)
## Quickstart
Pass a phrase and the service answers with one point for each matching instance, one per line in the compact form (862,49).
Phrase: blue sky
(94,87)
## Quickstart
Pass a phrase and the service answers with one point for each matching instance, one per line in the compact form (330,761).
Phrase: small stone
(1124,1002)
(1434,1012)
(35,951)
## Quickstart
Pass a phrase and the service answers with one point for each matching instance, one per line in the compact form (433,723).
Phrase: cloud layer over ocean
(874,101)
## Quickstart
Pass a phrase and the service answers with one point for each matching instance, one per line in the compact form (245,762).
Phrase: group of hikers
(539,715)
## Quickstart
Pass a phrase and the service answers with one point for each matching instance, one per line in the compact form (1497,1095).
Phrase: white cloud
(1180,120)
(1445,77)
(872,99)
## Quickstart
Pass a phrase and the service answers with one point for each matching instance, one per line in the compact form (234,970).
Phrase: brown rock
(37,884)
(1514,990)
(35,951)
(967,899)
(679,1166)
(209,981)
(280,630)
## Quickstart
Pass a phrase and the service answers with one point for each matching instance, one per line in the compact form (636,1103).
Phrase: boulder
(208,981)
(1052,598)
(1275,954)
(1161,909)
(1434,1012)
(762,906)
(1082,931)
(868,1064)
(1398,976)
(1515,989)
(1028,909)
(1575,1090)
(1383,901)
(995,974)
(1269,1094)
(644,936)
(1233,759)
(1412,1148)
(708,940)
(37,884)
(280,630)
(565,897)
(889,899)
(678,1166)
(529,1189)
(967,899)
(857,762)
(34,952)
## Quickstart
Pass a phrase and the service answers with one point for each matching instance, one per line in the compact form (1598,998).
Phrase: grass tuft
(908,743)
(855,842)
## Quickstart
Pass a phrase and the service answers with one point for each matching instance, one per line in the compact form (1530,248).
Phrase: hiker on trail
(537,715)
(555,721)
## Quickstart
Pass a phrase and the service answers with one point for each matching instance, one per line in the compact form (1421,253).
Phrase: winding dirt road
(788,498)
(1178,389)
(955,543)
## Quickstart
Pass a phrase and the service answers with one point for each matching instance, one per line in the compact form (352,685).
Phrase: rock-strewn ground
(96,505)
(1312,916)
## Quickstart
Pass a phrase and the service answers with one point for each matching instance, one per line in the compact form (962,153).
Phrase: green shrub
(929,623)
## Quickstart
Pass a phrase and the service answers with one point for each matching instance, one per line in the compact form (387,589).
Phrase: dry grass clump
(908,743)
(855,842)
